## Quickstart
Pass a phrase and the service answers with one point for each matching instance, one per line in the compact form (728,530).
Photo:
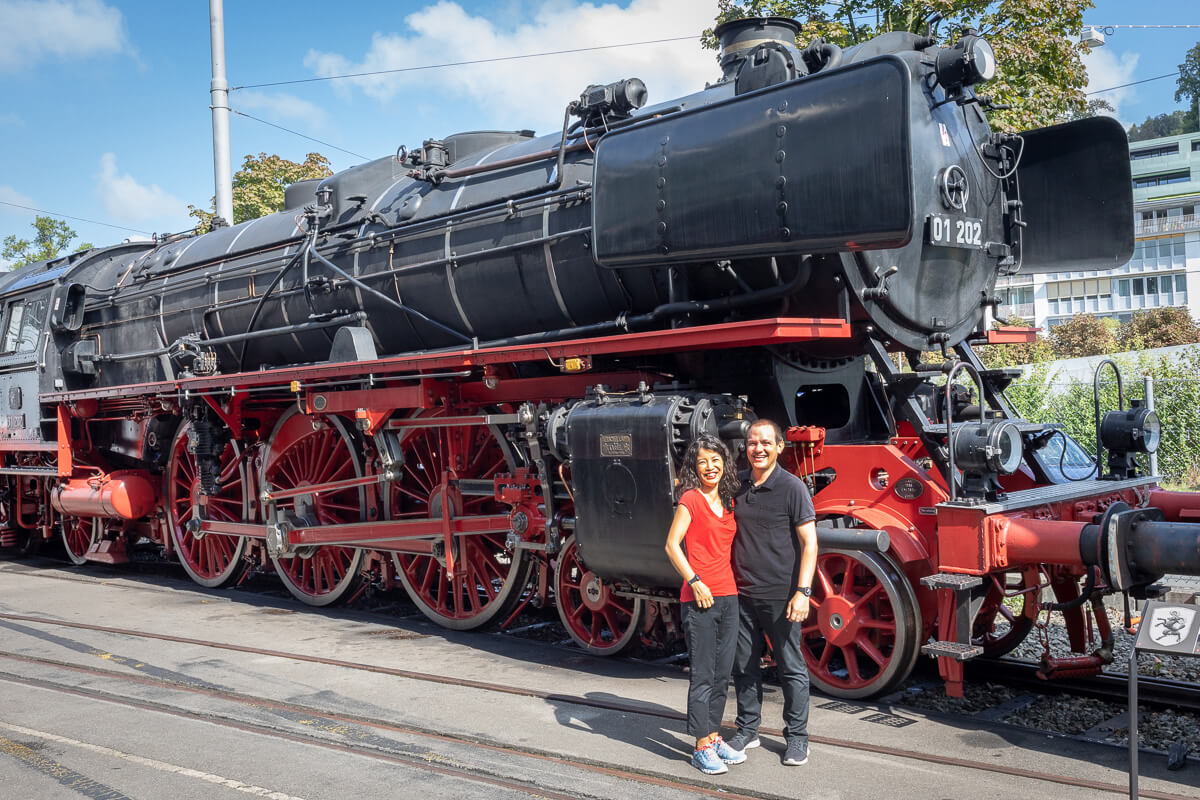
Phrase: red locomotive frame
(462,526)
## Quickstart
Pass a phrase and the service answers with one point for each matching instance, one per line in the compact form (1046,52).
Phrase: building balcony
(1180,224)
(1006,310)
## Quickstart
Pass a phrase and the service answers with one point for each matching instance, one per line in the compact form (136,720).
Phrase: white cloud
(278,106)
(1106,69)
(532,92)
(11,195)
(33,30)
(126,200)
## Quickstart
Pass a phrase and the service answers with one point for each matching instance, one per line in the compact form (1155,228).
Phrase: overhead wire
(1135,83)
(297,133)
(461,63)
(80,219)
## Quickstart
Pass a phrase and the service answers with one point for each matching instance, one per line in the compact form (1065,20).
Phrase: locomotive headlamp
(1135,430)
(988,447)
(968,61)
(618,99)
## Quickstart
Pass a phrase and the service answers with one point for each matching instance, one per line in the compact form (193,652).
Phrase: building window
(1123,288)
(1161,180)
(1196,145)
(1180,281)
(1138,291)
(1154,152)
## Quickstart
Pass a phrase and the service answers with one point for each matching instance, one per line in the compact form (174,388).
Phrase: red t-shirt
(708,543)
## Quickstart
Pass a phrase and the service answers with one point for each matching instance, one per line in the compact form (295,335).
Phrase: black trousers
(770,617)
(711,640)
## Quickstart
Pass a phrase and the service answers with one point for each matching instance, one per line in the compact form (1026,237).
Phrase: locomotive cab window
(22,325)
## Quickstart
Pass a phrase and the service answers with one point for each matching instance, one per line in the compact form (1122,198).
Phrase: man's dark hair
(763,422)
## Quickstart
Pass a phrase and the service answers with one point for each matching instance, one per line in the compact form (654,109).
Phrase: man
(774,558)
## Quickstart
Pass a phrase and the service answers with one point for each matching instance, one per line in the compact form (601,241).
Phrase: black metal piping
(301,327)
(376,293)
(687,306)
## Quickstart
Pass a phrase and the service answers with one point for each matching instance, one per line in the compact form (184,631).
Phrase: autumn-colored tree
(258,186)
(1159,327)
(50,238)
(1040,74)
(1083,335)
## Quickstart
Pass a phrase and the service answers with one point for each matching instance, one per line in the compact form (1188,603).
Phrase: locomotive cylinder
(127,495)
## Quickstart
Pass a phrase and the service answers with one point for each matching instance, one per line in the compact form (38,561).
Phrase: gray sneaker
(742,741)
(796,755)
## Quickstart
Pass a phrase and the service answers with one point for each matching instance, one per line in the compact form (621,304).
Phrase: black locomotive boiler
(470,368)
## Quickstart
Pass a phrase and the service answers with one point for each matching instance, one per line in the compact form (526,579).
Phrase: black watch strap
(693,580)
(804,590)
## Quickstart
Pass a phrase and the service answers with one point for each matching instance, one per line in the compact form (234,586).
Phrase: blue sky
(105,113)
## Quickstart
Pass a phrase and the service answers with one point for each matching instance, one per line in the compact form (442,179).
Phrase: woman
(704,521)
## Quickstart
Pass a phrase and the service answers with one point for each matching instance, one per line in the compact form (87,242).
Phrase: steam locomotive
(470,369)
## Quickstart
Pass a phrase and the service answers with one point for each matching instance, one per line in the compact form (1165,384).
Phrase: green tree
(50,238)
(1159,327)
(1083,335)
(1188,84)
(1040,74)
(1163,125)
(258,186)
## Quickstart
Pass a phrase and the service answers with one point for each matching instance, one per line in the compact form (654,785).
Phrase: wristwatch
(693,580)
(804,590)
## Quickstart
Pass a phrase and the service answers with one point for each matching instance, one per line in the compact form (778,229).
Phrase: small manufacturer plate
(947,231)
(616,445)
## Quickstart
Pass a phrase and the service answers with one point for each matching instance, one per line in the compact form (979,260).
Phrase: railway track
(332,720)
(1153,692)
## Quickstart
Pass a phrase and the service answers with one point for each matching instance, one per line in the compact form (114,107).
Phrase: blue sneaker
(727,753)
(707,761)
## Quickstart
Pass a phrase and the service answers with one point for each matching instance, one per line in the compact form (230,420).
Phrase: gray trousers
(769,617)
(711,639)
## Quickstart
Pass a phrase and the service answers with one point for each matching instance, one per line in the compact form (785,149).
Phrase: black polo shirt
(766,552)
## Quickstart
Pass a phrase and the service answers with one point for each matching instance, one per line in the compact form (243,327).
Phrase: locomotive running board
(1057,493)
(747,333)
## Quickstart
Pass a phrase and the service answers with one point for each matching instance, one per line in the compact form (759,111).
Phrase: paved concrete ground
(148,753)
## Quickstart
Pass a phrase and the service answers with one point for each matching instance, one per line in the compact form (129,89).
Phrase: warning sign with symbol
(1169,628)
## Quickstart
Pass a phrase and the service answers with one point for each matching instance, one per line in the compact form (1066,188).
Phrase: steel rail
(1152,691)
(628,708)
(425,764)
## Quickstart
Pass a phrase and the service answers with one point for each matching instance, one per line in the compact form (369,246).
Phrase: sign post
(1169,628)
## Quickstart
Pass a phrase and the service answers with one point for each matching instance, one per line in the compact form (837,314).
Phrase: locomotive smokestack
(739,36)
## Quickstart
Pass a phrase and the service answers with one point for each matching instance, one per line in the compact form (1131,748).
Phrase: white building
(1165,268)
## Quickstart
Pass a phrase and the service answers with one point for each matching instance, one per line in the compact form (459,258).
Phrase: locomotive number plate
(946,231)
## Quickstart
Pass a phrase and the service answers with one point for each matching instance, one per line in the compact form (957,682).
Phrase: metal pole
(1133,724)
(1148,386)
(219,90)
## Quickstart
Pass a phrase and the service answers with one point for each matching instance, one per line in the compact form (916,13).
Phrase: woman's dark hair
(689,478)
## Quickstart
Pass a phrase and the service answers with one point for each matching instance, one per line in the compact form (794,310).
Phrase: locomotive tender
(471,368)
